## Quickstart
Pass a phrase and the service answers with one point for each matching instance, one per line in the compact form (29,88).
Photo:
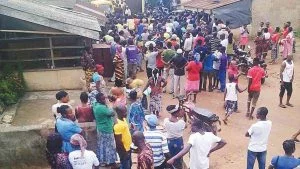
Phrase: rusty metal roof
(52,16)
(207,4)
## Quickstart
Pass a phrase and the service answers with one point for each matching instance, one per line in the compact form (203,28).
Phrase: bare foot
(282,106)
(289,104)
(225,122)
(251,117)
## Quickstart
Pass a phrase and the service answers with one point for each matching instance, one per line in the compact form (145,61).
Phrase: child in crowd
(84,111)
(231,97)
(62,98)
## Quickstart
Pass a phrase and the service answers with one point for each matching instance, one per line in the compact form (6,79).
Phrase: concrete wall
(275,11)
(55,79)
(23,147)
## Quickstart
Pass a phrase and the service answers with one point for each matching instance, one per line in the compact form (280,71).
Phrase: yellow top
(122,128)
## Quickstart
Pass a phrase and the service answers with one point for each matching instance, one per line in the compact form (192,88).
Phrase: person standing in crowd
(98,79)
(233,70)
(62,98)
(231,97)
(167,56)
(151,60)
(157,141)
(106,146)
(123,137)
(174,127)
(288,43)
(259,135)
(114,48)
(119,64)
(55,157)
(270,29)
(259,45)
(159,62)
(132,57)
(266,42)
(287,160)
(88,64)
(193,69)
(275,45)
(208,71)
(244,37)
(256,77)
(224,41)
(156,83)
(84,111)
(214,42)
(81,158)
(136,113)
(188,44)
(179,63)
(222,69)
(200,145)
(67,127)
(145,153)
(230,47)
(286,80)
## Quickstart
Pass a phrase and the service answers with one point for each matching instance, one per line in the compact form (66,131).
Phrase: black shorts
(286,86)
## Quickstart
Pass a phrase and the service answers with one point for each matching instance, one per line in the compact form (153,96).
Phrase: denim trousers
(222,78)
(126,163)
(261,158)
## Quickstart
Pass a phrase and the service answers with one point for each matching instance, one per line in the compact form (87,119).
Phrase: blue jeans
(222,78)
(126,163)
(261,158)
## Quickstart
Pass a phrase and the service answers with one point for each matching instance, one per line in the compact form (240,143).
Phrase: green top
(168,54)
(104,119)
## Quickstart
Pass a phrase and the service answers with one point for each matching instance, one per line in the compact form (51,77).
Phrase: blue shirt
(223,62)
(67,128)
(285,162)
(137,115)
(208,63)
(140,29)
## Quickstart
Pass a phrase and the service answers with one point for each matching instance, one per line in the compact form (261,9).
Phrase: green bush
(12,85)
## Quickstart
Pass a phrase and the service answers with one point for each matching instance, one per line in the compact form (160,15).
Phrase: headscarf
(197,58)
(99,68)
(78,140)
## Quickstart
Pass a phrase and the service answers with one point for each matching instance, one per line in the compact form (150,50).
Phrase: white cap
(109,31)
(179,51)
(174,36)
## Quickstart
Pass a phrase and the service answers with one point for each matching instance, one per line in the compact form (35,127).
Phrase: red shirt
(196,40)
(275,37)
(256,73)
(159,63)
(193,70)
(84,114)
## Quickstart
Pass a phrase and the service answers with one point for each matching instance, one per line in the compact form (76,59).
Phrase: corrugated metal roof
(52,16)
(60,3)
(91,10)
(207,4)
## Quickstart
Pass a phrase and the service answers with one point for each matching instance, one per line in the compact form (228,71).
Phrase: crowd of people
(185,53)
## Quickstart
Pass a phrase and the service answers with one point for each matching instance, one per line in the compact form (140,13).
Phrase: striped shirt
(158,144)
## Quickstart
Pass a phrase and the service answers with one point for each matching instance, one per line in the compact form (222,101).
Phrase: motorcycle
(245,61)
(210,120)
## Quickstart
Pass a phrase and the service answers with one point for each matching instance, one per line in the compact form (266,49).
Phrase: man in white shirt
(200,145)
(82,158)
(188,44)
(224,41)
(259,135)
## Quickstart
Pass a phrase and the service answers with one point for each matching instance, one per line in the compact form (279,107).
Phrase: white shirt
(259,133)
(216,64)
(174,130)
(55,106)
(267,36)
(222,31)
(88,160)
(224,43)
(231,93)
(288,71)
(188,44)
(201,145)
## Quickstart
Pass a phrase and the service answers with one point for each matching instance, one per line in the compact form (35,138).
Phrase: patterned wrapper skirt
(106,148)
(88,76)
(231,106)
(155,103)
(274,53)
(175,145)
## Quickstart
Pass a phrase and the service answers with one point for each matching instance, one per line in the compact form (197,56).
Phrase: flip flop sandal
(282,106)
